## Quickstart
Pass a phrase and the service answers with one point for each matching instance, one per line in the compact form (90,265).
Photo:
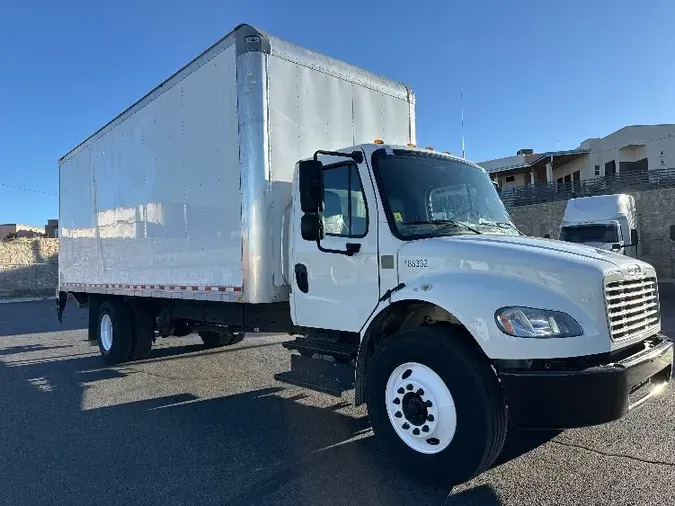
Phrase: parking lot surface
(194,426)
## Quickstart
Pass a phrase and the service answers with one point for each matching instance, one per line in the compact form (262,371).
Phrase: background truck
(267,187)
(606,221)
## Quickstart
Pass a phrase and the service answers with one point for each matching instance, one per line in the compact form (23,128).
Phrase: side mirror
(310,173)
(495,183)
(616,247)
(633,237)
(311,227)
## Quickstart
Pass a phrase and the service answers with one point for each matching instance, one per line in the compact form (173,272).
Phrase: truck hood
(511,255)
(548,247)
(472,276)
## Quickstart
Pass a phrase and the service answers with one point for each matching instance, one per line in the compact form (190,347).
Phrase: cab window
(345,211)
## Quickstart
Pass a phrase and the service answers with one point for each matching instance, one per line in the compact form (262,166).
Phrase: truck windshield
(431,195)
(590,233)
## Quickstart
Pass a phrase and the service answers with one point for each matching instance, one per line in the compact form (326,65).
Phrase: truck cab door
(333,290)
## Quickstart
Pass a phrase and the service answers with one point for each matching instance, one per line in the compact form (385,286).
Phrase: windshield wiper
(500,224)
(451,223)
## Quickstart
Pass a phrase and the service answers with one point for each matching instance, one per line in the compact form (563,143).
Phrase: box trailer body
(267,187)
(607,222)
(182,195)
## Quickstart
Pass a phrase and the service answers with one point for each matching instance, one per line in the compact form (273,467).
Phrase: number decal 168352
(417,262)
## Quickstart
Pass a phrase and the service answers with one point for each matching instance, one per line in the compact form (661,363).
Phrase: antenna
(461,100)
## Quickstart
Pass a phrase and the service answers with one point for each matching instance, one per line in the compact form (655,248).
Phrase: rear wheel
(144,331)
(213,339)
(115,331)
(435,405)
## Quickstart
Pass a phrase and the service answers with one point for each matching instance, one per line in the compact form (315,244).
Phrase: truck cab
(409,256)
(385,219)
(606,222)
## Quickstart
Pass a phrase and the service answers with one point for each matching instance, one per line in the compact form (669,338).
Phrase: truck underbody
(540,394)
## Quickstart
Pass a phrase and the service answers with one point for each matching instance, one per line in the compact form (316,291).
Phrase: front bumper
(566,398)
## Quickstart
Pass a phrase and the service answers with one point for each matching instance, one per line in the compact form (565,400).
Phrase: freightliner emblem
(633,270)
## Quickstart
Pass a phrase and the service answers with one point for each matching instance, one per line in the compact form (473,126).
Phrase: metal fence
(606,185)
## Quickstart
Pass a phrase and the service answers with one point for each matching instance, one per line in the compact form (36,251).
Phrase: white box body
(182,195)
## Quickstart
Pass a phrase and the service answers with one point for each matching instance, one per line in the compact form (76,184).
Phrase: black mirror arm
(351,248)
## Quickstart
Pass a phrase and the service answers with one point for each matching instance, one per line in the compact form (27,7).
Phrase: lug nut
(416,432)
(428,404)
(409,386)
(397,401)
(420,392)
(405,426)
(400,390)
(430,418)
(398,414)
(425,428)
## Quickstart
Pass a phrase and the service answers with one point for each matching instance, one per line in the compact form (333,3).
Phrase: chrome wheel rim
(106,332)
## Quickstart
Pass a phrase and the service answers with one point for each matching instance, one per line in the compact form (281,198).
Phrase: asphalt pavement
(194,426)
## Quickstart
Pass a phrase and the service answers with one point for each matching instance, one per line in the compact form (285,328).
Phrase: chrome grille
(632,306)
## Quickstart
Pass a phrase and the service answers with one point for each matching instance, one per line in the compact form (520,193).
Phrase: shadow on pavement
(520,442)
(177,352)
(12,350)
(257,447)
(19,318)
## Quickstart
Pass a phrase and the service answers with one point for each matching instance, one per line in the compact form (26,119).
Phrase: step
(341,351)
(320,375)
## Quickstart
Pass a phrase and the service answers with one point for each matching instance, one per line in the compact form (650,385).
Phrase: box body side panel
(155,200)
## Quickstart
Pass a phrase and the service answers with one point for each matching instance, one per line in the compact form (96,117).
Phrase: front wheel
(435,405)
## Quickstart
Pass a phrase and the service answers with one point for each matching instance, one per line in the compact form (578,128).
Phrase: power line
(27,189)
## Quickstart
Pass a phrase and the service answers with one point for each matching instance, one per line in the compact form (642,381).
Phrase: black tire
(144,331)
(217,339)
(480,406)
(122,320)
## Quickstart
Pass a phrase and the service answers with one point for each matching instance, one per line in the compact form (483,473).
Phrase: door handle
(301,278)
(352,247)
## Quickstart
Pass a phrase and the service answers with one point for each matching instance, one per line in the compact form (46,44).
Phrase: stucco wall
(28,267)
(656,213)
(581,164)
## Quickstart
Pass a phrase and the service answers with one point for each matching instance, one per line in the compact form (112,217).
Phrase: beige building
(20,230)
(638,148)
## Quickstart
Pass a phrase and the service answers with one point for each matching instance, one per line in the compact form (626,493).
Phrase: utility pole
(461,100)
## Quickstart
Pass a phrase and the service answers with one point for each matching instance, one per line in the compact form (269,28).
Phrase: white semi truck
(606,222)
(248,193)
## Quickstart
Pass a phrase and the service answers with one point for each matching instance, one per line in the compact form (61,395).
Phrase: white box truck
(267,187)
(607,222)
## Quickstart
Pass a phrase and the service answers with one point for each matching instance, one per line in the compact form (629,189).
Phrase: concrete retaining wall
(656,213)
(28,267)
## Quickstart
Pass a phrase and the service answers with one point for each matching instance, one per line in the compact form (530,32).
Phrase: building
(52,228)
(637,148)
(20,230)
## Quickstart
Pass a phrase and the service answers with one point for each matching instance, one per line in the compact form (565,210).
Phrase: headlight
(528,322)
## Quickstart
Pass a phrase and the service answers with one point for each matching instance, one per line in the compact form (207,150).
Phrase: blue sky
(535,74)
